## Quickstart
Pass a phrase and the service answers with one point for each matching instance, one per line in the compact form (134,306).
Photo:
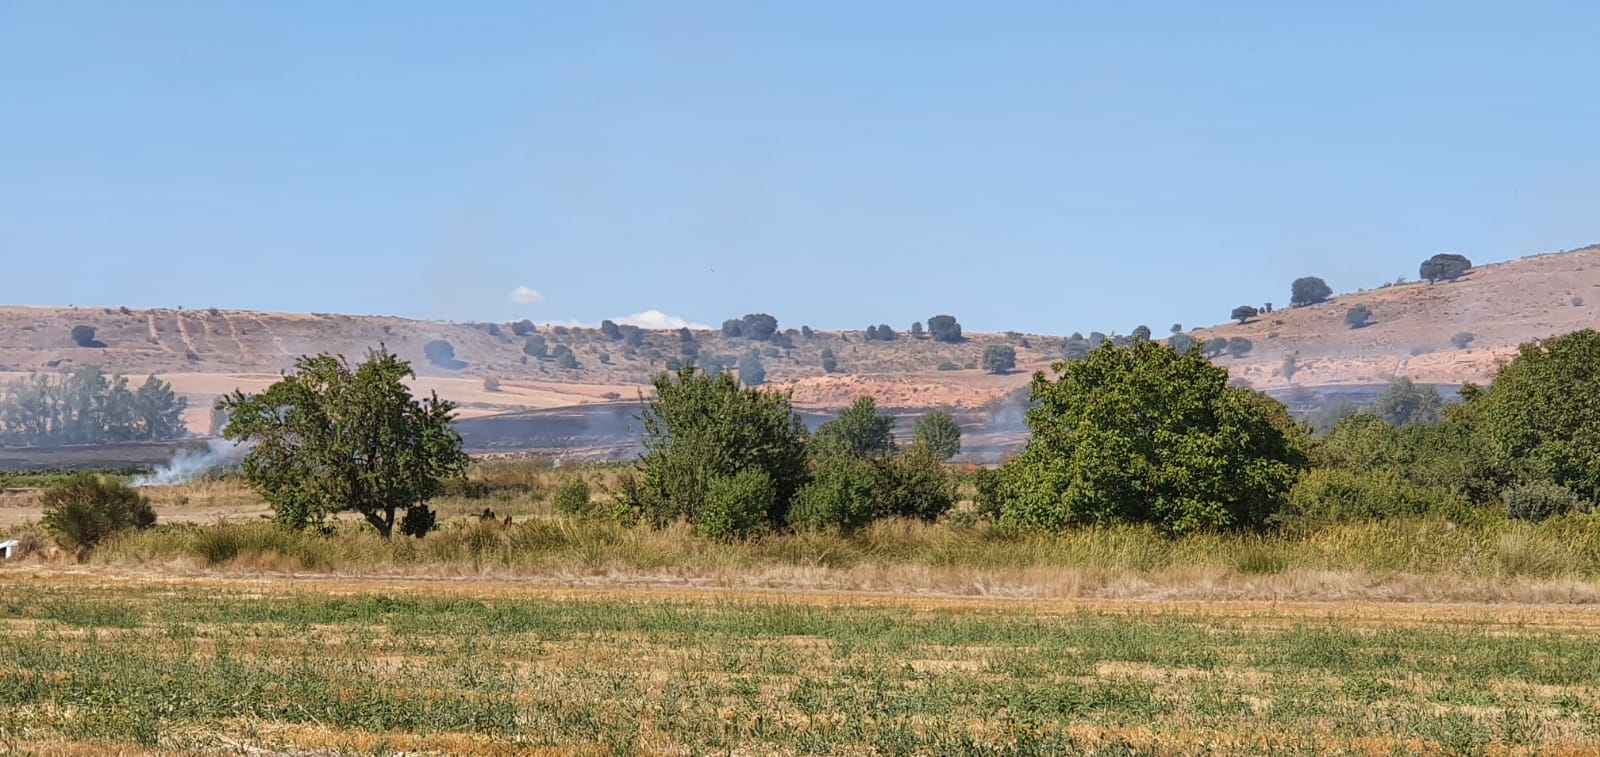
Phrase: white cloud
(655,319)
(525,295)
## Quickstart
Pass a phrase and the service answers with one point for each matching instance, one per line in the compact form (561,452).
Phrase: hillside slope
(1500,305)
(209,352)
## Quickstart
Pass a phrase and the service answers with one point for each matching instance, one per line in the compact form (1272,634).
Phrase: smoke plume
(190,464)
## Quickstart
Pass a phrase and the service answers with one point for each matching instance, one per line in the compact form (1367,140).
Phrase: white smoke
(190,464)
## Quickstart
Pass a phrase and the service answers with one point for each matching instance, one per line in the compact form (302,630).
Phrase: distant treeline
(85,406)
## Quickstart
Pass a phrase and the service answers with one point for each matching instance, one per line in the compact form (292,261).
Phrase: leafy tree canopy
(859,432)
(944,328)
(1445,267)
(938,432)
(999,358)
(1244,313)
(327,438)
(1308,290)
(1143,434)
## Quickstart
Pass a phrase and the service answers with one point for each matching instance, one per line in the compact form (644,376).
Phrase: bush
(610,329)
(1462,339)
(733,327)
(949,366)
(573,497)
(84,509)
(912,484)
(999,358)
(830,363)
(939,432)
(441,353)
(736,506)
(567,361)
(491,384)
(1325,496)
(839,497)
(1358,316)
(83,336)
(535,346)
(418,521)
(701,427)
(751,371)
(1239,346)
(1577,302)
(1445,267)
(1539,500)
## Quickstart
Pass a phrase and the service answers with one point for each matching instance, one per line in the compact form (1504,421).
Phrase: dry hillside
(1500,305)
(208,352)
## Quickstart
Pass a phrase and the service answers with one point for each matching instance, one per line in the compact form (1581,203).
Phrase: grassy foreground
(98,666)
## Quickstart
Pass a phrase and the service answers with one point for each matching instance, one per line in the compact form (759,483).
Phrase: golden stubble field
(112,664)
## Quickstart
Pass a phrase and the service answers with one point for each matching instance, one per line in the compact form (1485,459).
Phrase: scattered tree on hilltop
(916,330)
(805,331)
(83,336)
(733,327)
(944,328)
(443,354)
(1180,342)
(938,432)
(523,327)
(1244,313)
(999,358)
(535,346)
(1176,328)
(759,326)
(1308,290)
(1140,333)
(1445,267)
(329,438)
(610,329)
(1358,316)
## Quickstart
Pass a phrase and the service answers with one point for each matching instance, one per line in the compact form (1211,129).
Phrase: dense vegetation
(328,437)
(85,406)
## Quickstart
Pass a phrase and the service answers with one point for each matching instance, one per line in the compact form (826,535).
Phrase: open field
(100,665)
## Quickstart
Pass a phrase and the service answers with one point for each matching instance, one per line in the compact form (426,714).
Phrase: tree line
(85,406)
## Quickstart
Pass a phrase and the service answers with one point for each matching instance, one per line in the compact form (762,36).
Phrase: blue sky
(1044,167)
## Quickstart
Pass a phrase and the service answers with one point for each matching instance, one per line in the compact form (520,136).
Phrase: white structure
(7,548)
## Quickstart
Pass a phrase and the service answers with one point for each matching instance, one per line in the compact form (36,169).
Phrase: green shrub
(84,509)
(1325,496)
(912,484)
(573,497)
(1539,500)
(839,496)
(736,506)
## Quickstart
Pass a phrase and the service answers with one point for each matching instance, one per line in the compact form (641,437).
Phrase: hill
(205,353)
(1501,305)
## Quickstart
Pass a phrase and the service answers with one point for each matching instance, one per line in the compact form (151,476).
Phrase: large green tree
(700,428)
(328,437)
(1144,434)
(1542,413)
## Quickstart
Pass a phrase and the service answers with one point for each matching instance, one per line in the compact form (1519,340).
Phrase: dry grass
(106,666)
